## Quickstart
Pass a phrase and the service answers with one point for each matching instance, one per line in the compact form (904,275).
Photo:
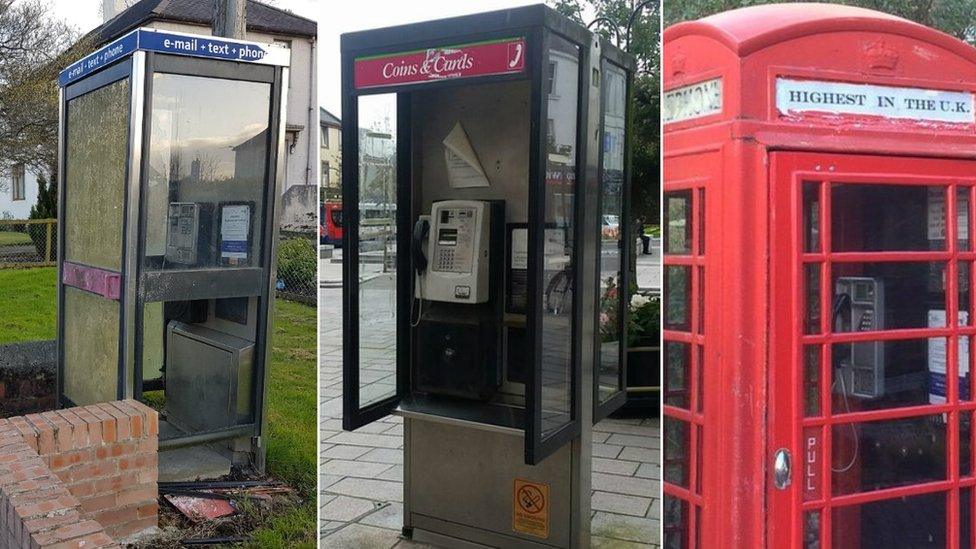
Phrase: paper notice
(234,225)
(463,167)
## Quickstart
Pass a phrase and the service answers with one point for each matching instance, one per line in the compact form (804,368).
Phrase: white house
(18,193)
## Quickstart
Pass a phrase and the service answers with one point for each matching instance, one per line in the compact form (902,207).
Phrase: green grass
(8,238)
(27,312)
(28,307)
(292,424)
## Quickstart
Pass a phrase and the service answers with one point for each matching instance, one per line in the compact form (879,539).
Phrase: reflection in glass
(677,226)
(559,260)
(675,520)
(962,218)
(916,522)
(965,518)
(612,297)
(206,182)
(677,440)
(965,443)
(377,248)
(871,217)
(811,381)
(677,373)
(811,217)
(811,530)
(677,297)
(884,454)
(811,323)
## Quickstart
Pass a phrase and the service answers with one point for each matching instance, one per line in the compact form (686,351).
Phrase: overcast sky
(341,16)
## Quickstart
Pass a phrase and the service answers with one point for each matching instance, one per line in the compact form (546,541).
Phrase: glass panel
(887,217)
(911,522)
(866,295)
(97,137)
(208,149)
(677,297)
(811,324)
(559,259)
(91,347)
(676,523)
(811,381)
(701,221)
(700,372)
(377,248)
(874,375)
(811,530)
(962,218)
(677,228)
(677,373)
(677,446)
(811,217)
(611,237)
(884,454)
(965,518)
(964,302)
(965,443)
(701,301)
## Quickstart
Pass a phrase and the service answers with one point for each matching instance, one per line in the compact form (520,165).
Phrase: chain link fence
(28,243)
(297,266)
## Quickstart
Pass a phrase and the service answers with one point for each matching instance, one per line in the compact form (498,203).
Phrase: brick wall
(100,464)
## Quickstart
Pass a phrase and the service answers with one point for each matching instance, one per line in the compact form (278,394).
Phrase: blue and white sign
(175,43)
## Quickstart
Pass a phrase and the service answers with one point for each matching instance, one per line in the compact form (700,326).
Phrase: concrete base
(193,463)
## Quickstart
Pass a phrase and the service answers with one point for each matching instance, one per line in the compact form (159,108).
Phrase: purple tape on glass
(107,284)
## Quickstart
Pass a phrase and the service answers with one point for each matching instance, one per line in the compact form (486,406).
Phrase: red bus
(330,222)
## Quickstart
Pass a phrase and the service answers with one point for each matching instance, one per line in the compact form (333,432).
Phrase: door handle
(782,469)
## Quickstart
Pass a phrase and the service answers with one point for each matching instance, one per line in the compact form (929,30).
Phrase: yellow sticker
(530,508)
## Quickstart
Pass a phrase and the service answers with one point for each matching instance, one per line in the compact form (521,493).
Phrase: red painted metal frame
(791,171)
(753,294)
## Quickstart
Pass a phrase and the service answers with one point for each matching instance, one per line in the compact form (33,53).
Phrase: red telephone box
(816,392)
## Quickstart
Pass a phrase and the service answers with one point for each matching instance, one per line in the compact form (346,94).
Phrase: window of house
(325,174)
(325,138)
(17,182)
(551,83)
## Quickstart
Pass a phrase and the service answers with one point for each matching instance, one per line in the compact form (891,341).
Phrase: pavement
(361,472)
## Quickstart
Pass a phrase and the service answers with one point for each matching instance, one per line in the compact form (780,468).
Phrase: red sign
(465,61)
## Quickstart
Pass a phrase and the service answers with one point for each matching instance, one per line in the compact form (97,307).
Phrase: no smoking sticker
(530,508)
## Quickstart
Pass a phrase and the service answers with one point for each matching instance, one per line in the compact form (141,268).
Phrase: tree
(954,17)
(34,47)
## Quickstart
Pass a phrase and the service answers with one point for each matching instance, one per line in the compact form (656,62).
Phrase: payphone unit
(490,147)
(171,167)
(859,307)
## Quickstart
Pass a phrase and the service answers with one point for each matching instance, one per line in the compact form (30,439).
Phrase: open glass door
(552,394)
(609,379)
(370,283)
(96,137)
(871,433)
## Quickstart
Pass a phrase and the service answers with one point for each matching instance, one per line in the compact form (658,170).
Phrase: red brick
(98,503)
(129,528)
(136,495)
(79,429)
(135,418)
(121,420)
(45,434)
(110,518)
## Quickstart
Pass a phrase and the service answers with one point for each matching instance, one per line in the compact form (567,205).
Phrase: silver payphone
(859,307)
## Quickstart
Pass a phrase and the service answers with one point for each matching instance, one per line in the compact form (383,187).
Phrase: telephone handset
(419,242)
(859,307)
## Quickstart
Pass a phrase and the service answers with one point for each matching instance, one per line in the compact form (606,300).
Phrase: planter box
(644,377)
